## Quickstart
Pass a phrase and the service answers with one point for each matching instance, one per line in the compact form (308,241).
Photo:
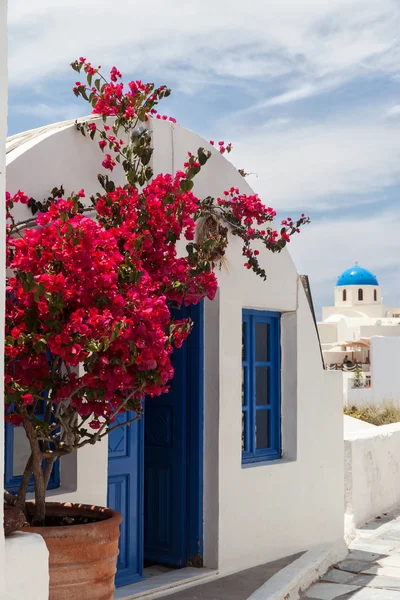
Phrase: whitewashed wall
(26,567)
(328,333)
(359,397)
(3,133)
(383,330)
(372,472)
(385,372)
(274,509)
(250,515)
(24,571)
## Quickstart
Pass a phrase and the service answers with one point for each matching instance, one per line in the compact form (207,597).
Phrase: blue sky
(308,92)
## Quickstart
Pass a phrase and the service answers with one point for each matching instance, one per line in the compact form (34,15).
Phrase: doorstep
(162,585)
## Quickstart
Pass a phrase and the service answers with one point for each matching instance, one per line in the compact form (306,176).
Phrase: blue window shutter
(261,393)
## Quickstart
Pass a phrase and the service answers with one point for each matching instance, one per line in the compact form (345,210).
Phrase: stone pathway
(372,569)
(234,587)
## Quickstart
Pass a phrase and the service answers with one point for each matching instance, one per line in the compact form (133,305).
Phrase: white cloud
(305,41)
(302,91)
(322,165)
(394,111)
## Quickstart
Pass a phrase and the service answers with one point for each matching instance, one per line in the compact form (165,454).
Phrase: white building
(360,329)
(3,133)
(249,473)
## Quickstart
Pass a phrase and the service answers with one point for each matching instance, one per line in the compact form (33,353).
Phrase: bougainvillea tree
(93,280)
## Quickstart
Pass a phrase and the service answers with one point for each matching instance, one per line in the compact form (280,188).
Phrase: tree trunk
(38,478)
(23,488)
(40,490)
(48,470)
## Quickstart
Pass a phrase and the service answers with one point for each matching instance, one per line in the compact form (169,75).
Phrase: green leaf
(192,172)
(116,331)
(97,84)
(146,156)
(89,79)
(203,157)
(110,186)
(102,180)
(186,185)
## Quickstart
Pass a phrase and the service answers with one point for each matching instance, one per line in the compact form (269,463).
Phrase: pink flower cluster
(222,147)
(98,293)
(111,99)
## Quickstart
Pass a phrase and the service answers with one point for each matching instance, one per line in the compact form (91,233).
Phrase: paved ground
(372,569)
(234,587)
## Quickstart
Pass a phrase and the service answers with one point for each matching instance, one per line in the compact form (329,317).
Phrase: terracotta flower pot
(82,558)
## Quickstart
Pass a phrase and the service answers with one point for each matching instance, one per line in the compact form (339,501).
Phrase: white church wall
(368,297)
(252,504)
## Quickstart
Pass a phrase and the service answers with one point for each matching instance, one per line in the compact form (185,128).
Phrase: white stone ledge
(300,574)
(26,567)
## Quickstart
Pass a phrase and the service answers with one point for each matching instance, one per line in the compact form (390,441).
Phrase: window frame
(250,453)
(344,296)
(11,481)
(360,295)
(375,296)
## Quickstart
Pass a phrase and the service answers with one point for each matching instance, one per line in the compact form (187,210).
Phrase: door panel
(125,474)
(165,443)
(150,482)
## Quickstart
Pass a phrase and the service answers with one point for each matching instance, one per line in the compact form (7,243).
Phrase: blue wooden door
(155,470)
(125,475)
(165,451)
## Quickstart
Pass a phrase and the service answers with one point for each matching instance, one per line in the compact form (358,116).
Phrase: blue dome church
(357,289)
(357,276)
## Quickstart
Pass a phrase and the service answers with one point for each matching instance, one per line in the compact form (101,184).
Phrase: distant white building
(360,330)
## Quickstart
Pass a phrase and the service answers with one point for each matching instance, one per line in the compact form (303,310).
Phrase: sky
(307,91)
